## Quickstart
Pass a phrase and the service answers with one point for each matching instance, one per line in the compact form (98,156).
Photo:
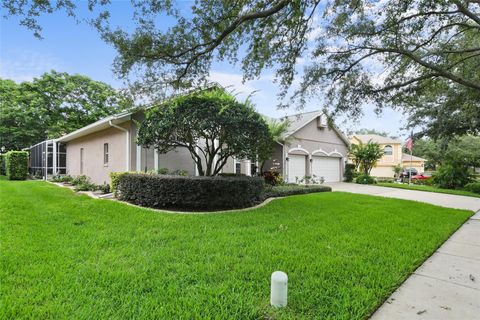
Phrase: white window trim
(105,164)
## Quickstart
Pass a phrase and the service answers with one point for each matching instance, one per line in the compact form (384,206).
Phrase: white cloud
(25,65)
(234,82)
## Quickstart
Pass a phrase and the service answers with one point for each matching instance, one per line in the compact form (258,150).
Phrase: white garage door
(326,167)
(296,167)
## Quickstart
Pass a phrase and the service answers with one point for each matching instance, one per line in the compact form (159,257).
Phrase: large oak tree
(398,53)
(211,125)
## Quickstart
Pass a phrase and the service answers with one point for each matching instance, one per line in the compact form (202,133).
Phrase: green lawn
(64,255)
(429,189)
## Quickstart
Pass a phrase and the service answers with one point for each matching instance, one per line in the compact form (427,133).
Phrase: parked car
(420,177)
(406,172)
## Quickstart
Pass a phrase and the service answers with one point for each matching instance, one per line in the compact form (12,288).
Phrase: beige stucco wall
(386,171)
(385,165)
(383,171)
(92,144)
(387,160)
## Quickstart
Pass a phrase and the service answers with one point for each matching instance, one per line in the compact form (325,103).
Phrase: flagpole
(410,172)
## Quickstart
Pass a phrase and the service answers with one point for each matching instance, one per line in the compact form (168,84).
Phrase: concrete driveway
(447,285)
(439,199)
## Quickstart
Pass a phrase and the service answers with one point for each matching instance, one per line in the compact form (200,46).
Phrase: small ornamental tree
(211,125)
(365,156)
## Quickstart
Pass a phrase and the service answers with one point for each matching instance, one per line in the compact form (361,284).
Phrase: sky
(75,47)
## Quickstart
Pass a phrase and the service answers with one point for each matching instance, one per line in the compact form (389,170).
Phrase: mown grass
(429,189)
(64,255)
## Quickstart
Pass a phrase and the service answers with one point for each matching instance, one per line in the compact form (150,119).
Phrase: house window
(81,160)
(238,166)
(388,150)
(105,154)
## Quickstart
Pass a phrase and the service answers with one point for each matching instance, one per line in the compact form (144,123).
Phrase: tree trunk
(200,169)
(261,167)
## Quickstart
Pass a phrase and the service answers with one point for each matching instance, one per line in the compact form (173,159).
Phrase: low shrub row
(473,187)
(384,179)
(288,190)
(81,183)
(197,193)
(16,165)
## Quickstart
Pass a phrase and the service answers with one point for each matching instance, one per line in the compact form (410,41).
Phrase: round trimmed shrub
(16,165)
(197,193)
(364,179)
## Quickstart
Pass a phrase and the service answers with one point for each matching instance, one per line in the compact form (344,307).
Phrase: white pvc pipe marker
(278,289)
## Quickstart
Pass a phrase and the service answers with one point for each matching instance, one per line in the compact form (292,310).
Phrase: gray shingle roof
(297,121)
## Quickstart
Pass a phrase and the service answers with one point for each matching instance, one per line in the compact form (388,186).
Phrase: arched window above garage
(388,150)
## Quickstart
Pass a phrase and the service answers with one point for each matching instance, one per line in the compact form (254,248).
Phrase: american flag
(409,143)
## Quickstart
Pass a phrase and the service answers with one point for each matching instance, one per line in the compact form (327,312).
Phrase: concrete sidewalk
(447,285)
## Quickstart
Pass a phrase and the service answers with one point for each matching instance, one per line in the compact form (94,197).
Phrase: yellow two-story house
(393,155)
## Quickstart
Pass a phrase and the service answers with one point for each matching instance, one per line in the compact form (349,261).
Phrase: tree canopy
(400,53)
(211,125)
(51,106)
(463,151)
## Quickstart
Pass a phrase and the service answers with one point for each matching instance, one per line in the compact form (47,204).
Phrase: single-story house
(108,145)
(393,155)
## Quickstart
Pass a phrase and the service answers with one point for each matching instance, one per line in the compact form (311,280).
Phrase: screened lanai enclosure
(47,158)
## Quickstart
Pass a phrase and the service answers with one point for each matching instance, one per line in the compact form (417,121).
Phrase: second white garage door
(326,167)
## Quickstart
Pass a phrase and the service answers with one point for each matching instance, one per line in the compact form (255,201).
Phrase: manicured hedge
(17,165)
(289,190)
(114,176)
(190,193)
(3,166)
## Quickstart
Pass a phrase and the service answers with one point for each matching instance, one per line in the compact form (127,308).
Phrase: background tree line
(463,151)
(53,105)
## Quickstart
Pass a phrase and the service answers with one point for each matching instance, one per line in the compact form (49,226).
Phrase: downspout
(127,142)
(284,164)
